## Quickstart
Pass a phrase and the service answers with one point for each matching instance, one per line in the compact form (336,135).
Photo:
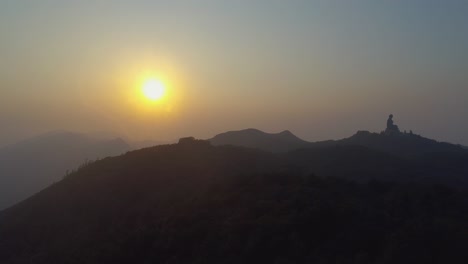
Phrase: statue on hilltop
(391,128)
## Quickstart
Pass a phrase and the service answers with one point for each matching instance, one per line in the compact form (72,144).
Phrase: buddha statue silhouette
(391,128)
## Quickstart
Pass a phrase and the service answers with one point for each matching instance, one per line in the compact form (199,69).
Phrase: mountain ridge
(197,203)
(254,138)
(403,144)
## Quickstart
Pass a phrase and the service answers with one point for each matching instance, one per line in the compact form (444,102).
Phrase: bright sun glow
(153,89)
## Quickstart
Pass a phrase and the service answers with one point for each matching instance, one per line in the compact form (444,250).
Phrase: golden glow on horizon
(153,89)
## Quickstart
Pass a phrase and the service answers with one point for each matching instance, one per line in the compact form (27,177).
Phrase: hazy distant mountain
(253,138)
(196,203)
(31,165)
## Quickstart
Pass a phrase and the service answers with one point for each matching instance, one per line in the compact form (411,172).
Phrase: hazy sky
(322,69)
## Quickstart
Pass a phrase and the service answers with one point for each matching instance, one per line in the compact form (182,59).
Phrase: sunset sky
(322,69)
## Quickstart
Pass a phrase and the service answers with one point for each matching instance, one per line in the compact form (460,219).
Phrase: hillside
(196,203)
(31,165)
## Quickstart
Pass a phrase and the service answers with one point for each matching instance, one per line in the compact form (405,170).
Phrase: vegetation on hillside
(194,203)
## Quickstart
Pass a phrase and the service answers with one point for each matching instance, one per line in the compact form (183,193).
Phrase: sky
(322,69)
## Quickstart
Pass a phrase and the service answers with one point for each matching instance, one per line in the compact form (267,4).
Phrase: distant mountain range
(403,157)
(31,165)
(400,144)
(254,138)
(196,203)
(241,197)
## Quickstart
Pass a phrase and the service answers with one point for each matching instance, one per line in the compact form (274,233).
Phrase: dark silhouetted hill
(253,138)
(393,156)
(403,157)
(30,166)
(361,164)
(399,144)
(426,160)
(197,203)
(402,144)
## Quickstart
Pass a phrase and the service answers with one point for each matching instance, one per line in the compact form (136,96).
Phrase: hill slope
(195,203)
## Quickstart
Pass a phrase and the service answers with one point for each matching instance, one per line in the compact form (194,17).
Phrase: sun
(153,89)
